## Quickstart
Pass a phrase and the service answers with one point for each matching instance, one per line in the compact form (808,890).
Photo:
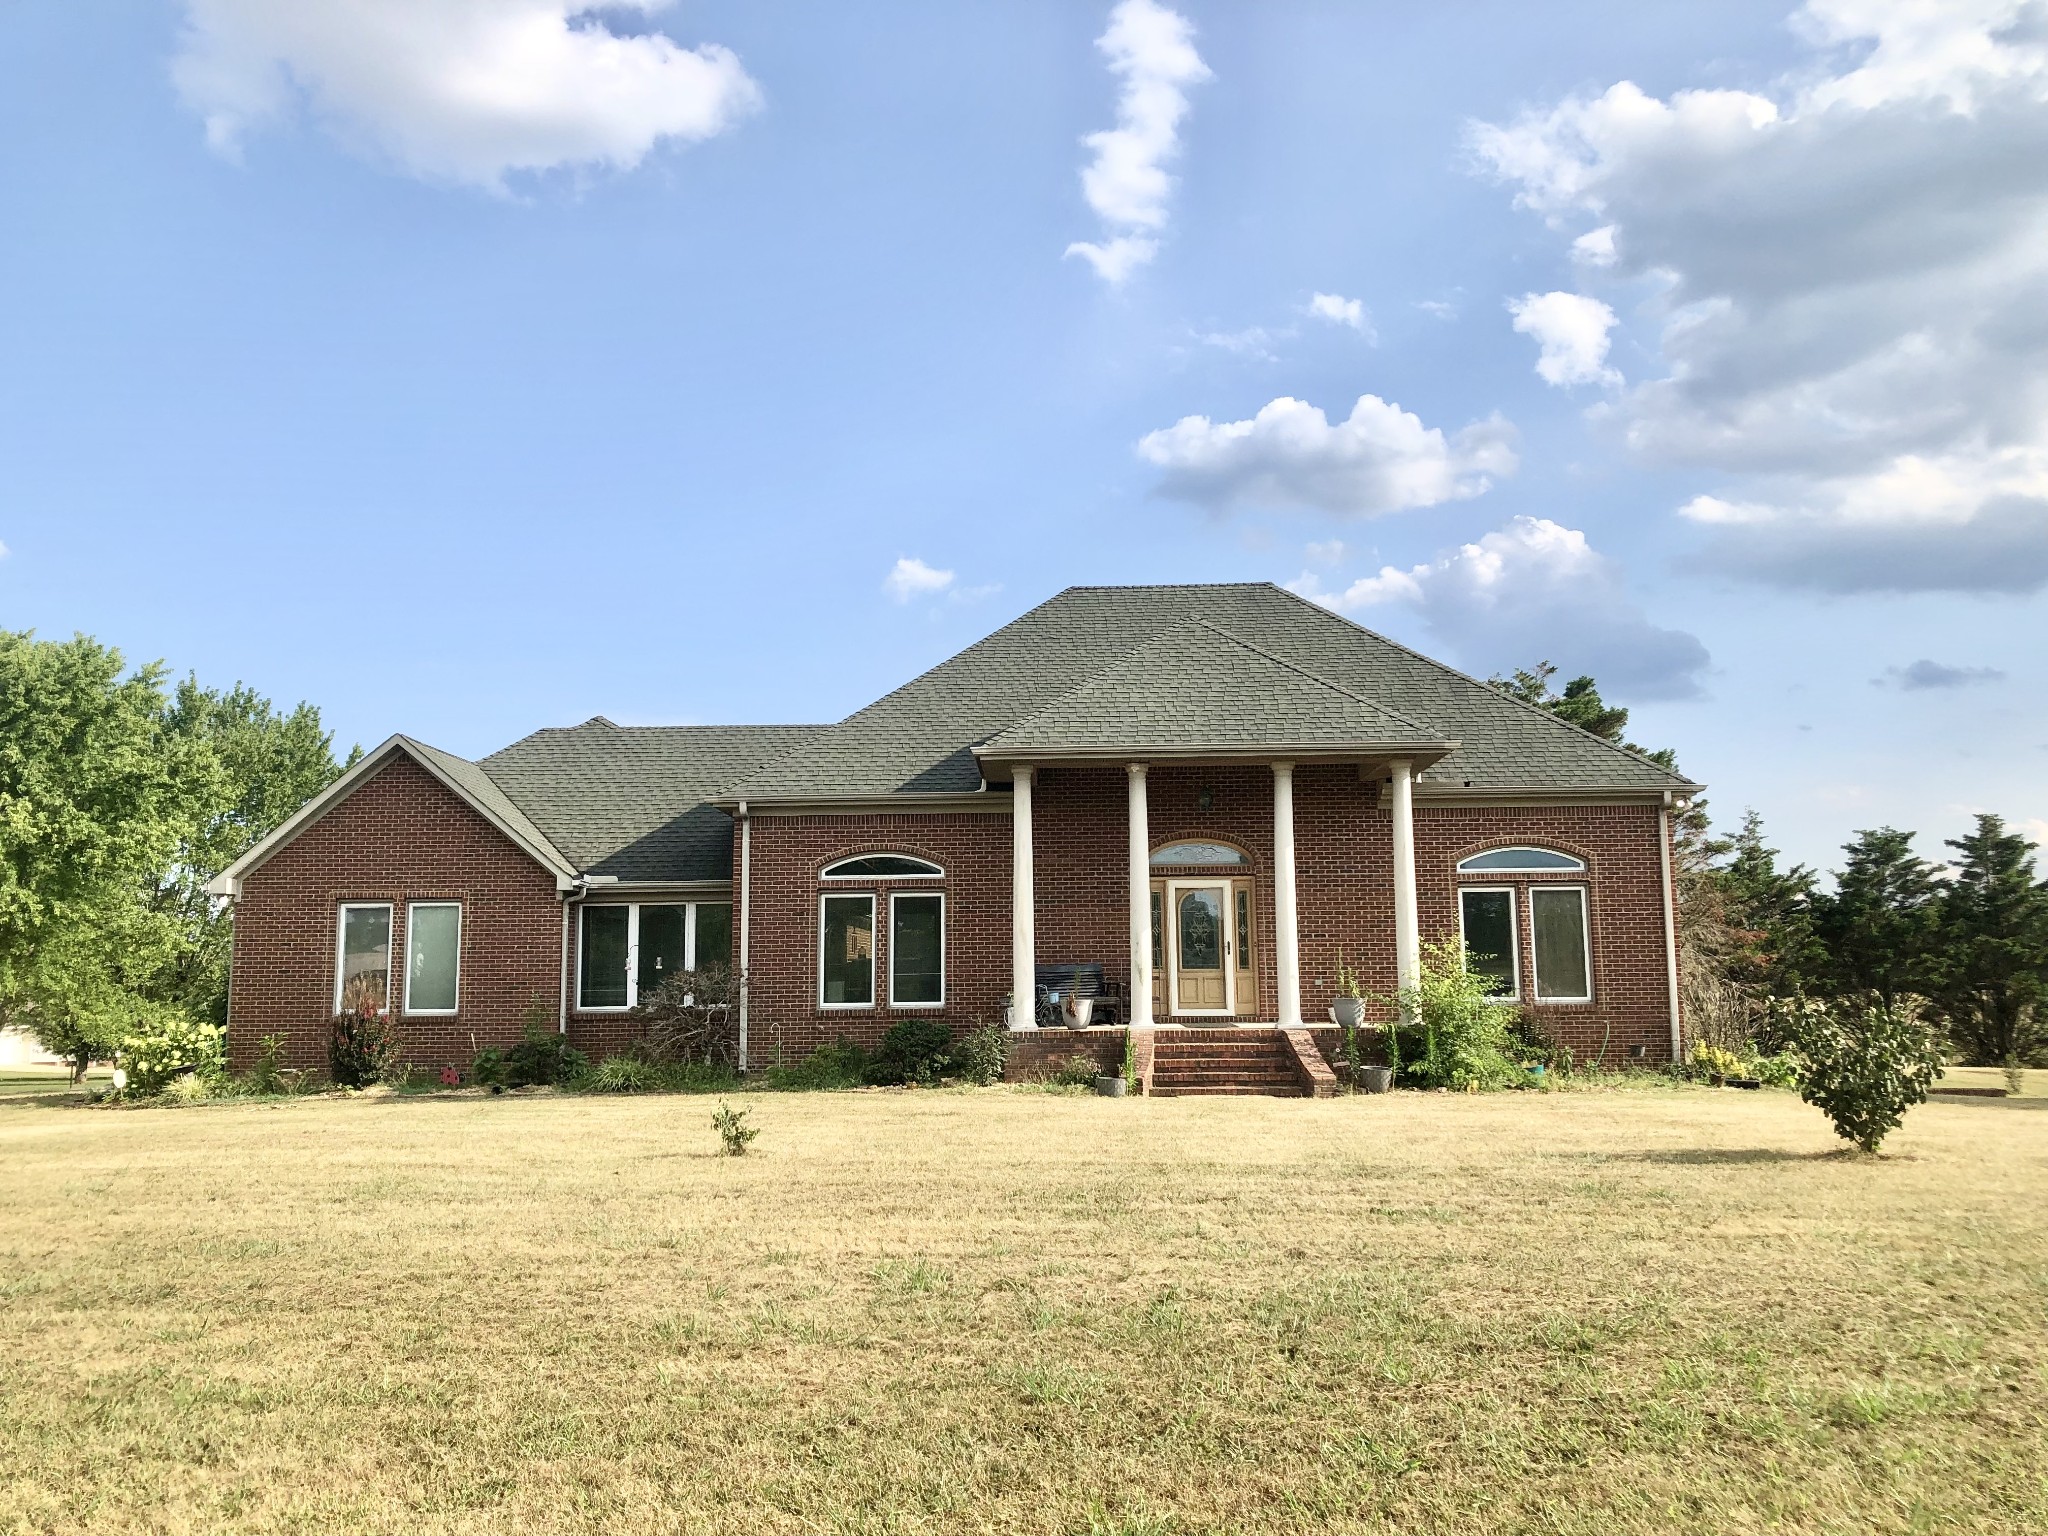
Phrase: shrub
(839,1065)
(689,1017)
(621,1074)
(733,1132)
(191,1088)
(1076,1072)
(1779,1071)
(913,1051)
(361,1047)
(488,1070)
(1714,1061)
(542,1058)
(1465,1034)
(266,1073)
(158,1050)
(1863,1067)
(981,1055)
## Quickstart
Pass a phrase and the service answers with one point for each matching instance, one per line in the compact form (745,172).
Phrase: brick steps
(1224,1062)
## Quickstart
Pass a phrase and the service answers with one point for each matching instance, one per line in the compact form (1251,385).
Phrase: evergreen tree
(1877,927)
(1988,976)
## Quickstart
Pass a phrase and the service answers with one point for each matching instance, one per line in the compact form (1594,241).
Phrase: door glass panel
(1490,939)
(433,941)
(661,946)
(916,951)
(1244,929)
(1559,917)
(603,982)
(1201,931)
(849,953)
(365,959)
(714,935)
(1158,938)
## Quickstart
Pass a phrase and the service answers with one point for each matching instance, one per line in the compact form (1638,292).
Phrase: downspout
(1670,921)
(746,919)
(562,990)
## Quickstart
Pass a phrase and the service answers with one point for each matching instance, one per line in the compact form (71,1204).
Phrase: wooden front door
(1199,931)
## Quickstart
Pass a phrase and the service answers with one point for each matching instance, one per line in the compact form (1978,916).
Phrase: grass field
(1654,1310)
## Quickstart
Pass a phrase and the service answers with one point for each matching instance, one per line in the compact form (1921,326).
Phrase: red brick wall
(400,836)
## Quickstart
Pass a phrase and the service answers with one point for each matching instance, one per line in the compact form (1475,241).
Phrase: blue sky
(467,366)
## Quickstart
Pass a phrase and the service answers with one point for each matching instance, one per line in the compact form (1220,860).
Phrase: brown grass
(1670,1310)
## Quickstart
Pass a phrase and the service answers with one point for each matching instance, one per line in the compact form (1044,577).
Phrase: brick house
(1191,801)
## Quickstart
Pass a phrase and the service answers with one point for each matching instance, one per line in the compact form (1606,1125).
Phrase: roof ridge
(1100,672)
(1314,677)
(1466,677)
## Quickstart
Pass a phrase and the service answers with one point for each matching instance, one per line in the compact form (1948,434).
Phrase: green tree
(1988,975)
(1580,704)
(1876,929)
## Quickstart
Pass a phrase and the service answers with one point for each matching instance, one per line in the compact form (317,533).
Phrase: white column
(1286,925)
(746,920)
(1407,930)
(1023,928)
(1141,902)
(1670,923)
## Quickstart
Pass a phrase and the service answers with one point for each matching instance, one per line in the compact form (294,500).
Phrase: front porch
(1172,1061)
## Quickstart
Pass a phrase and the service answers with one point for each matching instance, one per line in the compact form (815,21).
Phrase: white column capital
(1022,773)
(1283,768)
(1136,770)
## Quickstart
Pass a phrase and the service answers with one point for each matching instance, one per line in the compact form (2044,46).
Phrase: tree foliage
(1987,968)
(1863,1066)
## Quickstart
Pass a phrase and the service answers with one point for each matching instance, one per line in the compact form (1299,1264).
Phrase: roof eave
(1419,753)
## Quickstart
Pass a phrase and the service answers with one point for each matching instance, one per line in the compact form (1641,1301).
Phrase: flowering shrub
(361,1047)
(153,1053)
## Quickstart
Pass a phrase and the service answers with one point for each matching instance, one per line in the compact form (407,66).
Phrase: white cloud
(458,90)
(1532,591)
(1853,277)
(1152,49)
(1339,310)
(1381,459)
(1328,552)
(1571,330)
(911,577)
(1252,341)
(1438,309)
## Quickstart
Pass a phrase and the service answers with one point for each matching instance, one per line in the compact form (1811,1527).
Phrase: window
(628,949)
(1519,861)
(882,866)
(362,970)
(917,950)
(1487,921)
(1564,973)
(846,952)
(1179,855)
(433,949)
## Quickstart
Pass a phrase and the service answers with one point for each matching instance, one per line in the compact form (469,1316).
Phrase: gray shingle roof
(922,736)
(480,787)
(1194,685)
(631,801)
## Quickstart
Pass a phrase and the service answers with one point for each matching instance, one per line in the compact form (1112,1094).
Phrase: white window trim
(1585,928)
(632,953)
(894,897)
(932,873)
(341,913)
(874,942)
(1514,992)
(1576,867)
(432,1013)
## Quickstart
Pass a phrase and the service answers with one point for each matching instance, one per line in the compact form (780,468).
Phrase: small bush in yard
(154,1053)
(1076,1072)
(841,1064)
(1466,1035)
(542,1059)
(981,1055)
(488,1070)
(362,1046)
(913,1051)
(621,1074)
(1862,1067)
(733,1132)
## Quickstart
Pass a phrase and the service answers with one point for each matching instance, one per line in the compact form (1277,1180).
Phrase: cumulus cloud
(1152,50)
(1852,289)
(1571,331)
(1924,675)
(1380,459)
(1533,590)
(1339,310)
(458,90)
(911,577)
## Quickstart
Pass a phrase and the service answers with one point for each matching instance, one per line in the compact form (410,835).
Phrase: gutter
(571,892)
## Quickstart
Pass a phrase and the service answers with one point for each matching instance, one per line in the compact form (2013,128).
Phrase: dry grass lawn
(1655,1310)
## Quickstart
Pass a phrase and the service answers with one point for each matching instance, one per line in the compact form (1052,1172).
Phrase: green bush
(361,1048)
(266,1073)
(841,1064)
(621,1074)
(1466,1037)
(1076,1072)
(488,1070)
(1863,1067)
(981,1054)
(542,1058)
(734,1134)
(158,1050)
(1780,1071)
(913,1051)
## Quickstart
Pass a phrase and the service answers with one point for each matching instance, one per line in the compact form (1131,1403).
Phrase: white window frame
(1577,866)
(1514,992)
(341,913)
(1585,927)
(633,948)
(931,872)
(874,943)
(432,1013)
(894,897)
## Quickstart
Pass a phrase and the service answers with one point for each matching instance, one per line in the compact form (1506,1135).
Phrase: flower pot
(1077,1011)
(1112,1087)
(1376,1079)
(1349,1012)
(1718,1079)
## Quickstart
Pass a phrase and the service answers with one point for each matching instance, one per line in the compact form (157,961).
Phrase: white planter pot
(1077,1011)
(1349,1012)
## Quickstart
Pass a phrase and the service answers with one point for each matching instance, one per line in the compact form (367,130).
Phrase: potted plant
(1076,1009)
(1375,1079)
(1125,1081)
(1349,1009)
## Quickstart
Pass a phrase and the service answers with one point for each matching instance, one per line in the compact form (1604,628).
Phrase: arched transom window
(1520,861)
(882,866)
(1192,854)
